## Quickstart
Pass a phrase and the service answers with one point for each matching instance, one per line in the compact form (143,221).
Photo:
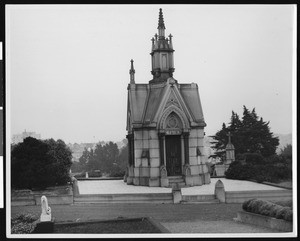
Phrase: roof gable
(147,103)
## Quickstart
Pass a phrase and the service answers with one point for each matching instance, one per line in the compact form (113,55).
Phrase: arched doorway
(173,155)
(173,144)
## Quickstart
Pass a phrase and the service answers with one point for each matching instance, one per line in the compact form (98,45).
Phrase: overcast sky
(68,65)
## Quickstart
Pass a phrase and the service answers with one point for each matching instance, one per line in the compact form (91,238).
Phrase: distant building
(20,137)
(78,149)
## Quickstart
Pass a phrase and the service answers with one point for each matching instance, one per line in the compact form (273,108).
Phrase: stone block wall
(198,167)
(146,170)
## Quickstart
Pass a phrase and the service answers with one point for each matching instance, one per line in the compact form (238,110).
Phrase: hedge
(267,208)
(252,167)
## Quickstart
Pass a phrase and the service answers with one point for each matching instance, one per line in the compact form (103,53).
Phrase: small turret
(230,155)
(162,53)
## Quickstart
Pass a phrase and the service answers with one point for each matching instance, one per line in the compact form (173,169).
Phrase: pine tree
(249,135)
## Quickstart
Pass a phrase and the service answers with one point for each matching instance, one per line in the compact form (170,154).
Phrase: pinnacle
(161,23)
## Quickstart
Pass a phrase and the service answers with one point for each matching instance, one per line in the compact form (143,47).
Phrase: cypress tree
(249,135)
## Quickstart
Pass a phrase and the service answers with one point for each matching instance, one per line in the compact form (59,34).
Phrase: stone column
(130,174)
(186,147)
(132,151)
(161,138)
(129,148)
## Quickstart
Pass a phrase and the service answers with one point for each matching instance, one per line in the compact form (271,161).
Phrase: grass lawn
(140,225)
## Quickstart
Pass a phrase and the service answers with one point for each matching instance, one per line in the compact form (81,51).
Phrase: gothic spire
(161,25)
(132,72)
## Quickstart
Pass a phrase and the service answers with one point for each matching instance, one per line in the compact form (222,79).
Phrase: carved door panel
(173,155)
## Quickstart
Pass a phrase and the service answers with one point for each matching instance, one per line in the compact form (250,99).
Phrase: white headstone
(46,210)
(220,191)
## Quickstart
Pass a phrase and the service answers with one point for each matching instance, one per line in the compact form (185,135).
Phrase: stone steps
(176,182)
(125,198)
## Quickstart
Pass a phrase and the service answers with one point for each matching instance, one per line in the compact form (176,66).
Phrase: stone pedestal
(189,181)
(136,181)
(206,178)
(177,197)
(220,191)
(130,176)
(44,227)
(220,170)
(144,181)
(75,187)
(197,180)
(164,182)
(154,182)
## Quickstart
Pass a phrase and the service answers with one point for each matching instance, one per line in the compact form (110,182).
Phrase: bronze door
(173,155)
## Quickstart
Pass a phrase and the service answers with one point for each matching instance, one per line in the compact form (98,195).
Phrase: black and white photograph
(150,120)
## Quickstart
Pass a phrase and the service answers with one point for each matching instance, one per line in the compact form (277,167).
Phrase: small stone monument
(220,191)
(229,152)
(46,210)
(46,224)
(164,181)
(86,175)
(75,186)
(188,175)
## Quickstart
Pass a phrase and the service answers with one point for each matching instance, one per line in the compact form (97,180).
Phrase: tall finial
(161,25)
(171,44)
(152,44)
(229,137)
(131,72)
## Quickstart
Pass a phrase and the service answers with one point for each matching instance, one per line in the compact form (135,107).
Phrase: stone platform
(236,191)
(119,187)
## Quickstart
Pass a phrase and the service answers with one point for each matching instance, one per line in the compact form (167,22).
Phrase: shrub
(40,164)
(288,203)
(23,223)
(239,171)
(254,158)
(267,208)
(246,204)
(282,212)
(288,215)
(254,166)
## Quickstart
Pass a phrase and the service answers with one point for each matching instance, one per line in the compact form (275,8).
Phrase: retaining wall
(265,221)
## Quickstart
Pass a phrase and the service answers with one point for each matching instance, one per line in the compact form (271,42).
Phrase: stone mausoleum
(165,124)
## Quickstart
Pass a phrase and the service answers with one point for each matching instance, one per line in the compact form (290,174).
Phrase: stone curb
(265,221)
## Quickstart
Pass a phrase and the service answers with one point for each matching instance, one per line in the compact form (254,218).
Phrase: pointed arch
(184,121)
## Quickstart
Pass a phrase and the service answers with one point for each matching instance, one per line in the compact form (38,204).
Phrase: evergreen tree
(287,151)
(249,135)
(39,164)
(107,158)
